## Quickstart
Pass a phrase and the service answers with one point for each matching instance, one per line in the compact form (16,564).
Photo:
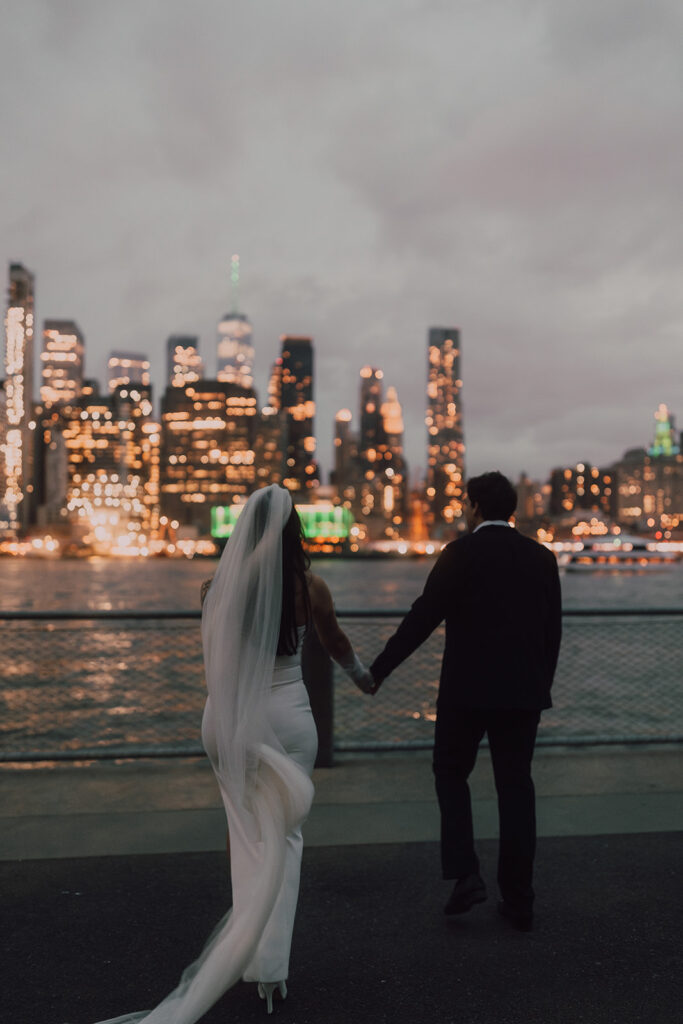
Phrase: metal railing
(82,685)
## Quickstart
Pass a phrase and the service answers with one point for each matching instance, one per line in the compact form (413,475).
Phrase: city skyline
(99,467)
(512,169)
(145,372)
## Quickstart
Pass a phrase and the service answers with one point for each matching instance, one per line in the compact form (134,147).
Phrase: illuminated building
(275,385)
(345,453)
(298,406)
(347,476)
(4,516)
(112,467)
(18,454)
(368,503)
(183,362)
(531,500)
(268,447)
(51,475)
(62,362)
(235,346)
(127,368)
(235,350)
(650,486)
(138,447)
(271,430)
(394,483)
(445,438)
(207,450)
(371,427)
(665,441)
(583,487)
(380,490)
(90,432)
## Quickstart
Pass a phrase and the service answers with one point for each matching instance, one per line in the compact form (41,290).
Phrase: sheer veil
(265,793)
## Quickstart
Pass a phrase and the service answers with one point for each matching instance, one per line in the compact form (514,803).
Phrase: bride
(259,734)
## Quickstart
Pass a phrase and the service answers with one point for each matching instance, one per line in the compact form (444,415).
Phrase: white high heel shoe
(266,989)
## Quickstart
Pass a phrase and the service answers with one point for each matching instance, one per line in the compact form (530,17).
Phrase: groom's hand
(365,683)
(376,683)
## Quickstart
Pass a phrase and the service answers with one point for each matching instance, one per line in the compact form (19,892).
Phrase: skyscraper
(235,346)
(4,519)
(581,487)
(127,368)
(235,350)
(381,491)
(62,362)
(445,438)
(138,448)
(345,453)
(19,394)
(207,450)
(183,362)
(665,440)
(102,467)
(370,436)
(90,436)
(394,498)
(296,389)
(271,431)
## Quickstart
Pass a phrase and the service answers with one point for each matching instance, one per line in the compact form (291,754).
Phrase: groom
(499,593)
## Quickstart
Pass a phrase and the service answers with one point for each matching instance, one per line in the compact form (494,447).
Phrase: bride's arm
(332,636)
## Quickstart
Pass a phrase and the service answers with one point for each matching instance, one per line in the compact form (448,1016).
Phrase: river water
(135,685)
(392,584)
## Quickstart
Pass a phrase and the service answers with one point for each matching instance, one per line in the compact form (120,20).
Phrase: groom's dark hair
(494,494)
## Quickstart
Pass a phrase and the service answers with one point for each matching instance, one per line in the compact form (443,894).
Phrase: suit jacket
(499,593)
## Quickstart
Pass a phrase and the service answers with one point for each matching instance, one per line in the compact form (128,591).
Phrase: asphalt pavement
(86,937)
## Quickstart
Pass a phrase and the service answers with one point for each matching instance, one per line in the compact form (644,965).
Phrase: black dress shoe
(466,892)
(522,920)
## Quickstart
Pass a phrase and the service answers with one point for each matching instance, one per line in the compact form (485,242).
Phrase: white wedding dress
(289,713)
(259,733)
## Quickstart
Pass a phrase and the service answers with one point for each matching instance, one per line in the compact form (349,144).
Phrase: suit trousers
(511,735)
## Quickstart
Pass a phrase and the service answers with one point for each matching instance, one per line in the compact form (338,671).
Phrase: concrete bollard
(318,673)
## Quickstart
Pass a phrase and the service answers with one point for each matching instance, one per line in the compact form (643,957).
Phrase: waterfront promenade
(114,874)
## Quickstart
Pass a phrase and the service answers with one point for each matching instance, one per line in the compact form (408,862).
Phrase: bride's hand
(366,683)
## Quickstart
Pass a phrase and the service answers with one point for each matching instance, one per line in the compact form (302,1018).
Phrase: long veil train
(265,793)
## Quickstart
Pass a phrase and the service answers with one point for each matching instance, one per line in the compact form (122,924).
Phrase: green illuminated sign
(332,522)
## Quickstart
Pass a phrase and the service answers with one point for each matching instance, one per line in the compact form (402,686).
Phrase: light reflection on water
(69,686)
(112,585)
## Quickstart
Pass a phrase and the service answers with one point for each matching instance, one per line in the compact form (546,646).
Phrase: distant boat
(620,553)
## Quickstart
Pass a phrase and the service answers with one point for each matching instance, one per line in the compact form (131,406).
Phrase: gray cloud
(512,168)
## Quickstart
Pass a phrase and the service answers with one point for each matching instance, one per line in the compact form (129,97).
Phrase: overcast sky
(513,168)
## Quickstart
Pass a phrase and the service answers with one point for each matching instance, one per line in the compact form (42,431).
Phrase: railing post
(318,673)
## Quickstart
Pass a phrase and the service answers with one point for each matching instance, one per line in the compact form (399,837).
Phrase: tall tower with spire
(235,348)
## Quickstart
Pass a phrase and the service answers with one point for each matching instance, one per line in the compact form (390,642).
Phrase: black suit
(499,593)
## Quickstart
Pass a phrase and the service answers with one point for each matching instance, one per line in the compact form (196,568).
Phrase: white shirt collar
(493,522)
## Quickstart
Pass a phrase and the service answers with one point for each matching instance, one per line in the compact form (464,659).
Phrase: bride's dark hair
(295,563)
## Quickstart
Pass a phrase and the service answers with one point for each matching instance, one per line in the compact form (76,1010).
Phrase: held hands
(376,683)
(365,682)
(356,671)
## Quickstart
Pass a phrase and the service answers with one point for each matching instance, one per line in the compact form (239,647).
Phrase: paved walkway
(173,806)
(123,878)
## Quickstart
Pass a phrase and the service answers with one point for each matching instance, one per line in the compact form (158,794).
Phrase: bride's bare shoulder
(318,590)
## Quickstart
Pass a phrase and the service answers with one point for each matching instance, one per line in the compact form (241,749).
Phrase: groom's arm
(422,619)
